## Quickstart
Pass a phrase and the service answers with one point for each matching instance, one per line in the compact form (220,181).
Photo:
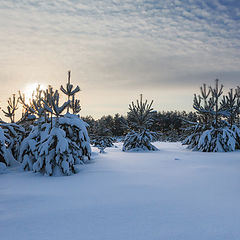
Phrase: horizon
(29,92)
(118,50)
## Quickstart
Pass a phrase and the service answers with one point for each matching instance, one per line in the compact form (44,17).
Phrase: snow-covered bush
(139,121)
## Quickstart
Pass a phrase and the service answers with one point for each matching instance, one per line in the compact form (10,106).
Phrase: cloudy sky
(116,49)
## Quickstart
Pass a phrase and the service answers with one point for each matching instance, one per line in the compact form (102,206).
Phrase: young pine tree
(139,121)
(213,132)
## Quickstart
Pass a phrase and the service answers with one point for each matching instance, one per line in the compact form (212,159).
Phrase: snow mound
(3,167)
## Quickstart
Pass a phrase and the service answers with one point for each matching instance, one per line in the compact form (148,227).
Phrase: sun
(30,89)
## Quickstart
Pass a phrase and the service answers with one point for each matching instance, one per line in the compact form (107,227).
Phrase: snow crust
(130,196)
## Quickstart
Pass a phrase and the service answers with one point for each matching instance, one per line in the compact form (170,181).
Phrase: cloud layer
(121,47)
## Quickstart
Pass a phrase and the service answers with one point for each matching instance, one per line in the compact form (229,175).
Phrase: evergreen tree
(53,157)
(102,132)
(140,119)
(57,143)
(212,133)
(102,141)
(118,128)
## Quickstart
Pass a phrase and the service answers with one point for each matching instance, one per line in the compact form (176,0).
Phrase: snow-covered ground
(172,194)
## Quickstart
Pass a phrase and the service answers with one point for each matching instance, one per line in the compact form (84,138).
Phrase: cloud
(114,45)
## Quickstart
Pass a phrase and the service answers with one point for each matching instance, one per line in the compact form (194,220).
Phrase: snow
(130,196)
(3,167)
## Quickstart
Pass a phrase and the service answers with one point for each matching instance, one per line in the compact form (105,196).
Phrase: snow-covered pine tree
(28,153)
(14,135)
(139,141)
(74,127)
(171,135)
(76,130)
(102,135)
(102,141)
(55,154)
(67,143)
(231,108)
(6,156)
(139,121)
(55,144)
(54,157)
(101,146)
(211,133)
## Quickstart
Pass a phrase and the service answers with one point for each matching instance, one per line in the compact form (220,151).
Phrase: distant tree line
(167,124)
